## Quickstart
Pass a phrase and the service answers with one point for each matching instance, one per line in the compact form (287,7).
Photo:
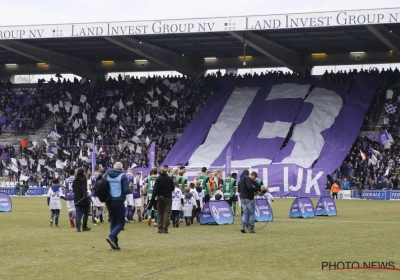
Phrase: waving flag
(93,155)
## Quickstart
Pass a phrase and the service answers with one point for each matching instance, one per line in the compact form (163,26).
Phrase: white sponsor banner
(220,24)
(344,194)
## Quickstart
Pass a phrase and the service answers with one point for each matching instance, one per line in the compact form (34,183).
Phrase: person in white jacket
(54,195)
(265,194)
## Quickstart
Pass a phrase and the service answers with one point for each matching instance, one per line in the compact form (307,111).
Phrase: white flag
(65,152)
(95,129)
(84,117)
(83,136)
(83,98)
(113,117)
(45,141)
(154,103)
(55,108)
(166,98)
(166,82)
(68,106)
(100,116)
(136,139)
(60,103)
(147,140)
(173,116)
(161,118)
(60,164)
(50,155)
(151,93)
(121,105)
(50,107)
(23,178)
(120,127)
(147,118)
(375,152)
(42,161)
(139,131)
(75,110)
(138,149)
(22,161)
(69,95)
(38,168)
(103,109)
(54,135)
(174,104)
(142,80)
(131,147)
(76,124)
(129,103)
(158,90)
(34,143)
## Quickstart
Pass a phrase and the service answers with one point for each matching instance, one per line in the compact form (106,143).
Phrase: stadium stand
(137,111)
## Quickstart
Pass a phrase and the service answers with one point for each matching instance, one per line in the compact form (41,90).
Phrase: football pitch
(363,232)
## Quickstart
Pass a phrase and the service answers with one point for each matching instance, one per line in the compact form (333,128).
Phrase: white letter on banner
(286,180)
(313,182)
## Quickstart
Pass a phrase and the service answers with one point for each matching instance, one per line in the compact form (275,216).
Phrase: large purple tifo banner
(255,118)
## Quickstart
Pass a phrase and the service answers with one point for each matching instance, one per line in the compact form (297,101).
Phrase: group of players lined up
(187,198)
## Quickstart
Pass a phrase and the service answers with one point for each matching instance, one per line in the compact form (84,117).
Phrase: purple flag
(93,155)
(27,101)
(383,137)
(228,161)
(152,154)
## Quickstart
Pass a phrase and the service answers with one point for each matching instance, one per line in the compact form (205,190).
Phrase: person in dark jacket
(119,188)
(247,199)
(163,188)
(81,200)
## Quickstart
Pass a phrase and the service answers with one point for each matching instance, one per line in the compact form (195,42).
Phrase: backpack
(102,189)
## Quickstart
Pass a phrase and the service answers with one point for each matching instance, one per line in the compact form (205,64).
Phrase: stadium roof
(295,48)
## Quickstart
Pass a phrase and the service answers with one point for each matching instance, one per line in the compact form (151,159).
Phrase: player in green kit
(182,180)
(202,178)
(148,190)
(229,189)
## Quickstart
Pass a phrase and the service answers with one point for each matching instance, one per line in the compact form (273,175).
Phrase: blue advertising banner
(36,191)
(263,211)
(326,205)
(5,202)
(218,212)
(374,195)
(30,191)
(9,191)
(395,195)
(302,207)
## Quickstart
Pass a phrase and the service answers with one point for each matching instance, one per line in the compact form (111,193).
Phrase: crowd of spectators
(125,115)
(370,164)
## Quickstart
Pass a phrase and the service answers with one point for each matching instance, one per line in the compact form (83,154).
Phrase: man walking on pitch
(119,188)
(163,188)
(247,200)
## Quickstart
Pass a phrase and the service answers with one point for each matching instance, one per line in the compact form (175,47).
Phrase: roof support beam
(390,39)
(67,63)
(280,54)
(166,58)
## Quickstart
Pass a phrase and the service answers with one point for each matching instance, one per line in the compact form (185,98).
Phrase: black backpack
(102,189)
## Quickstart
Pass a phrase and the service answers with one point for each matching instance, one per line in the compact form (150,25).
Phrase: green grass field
(284,249)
